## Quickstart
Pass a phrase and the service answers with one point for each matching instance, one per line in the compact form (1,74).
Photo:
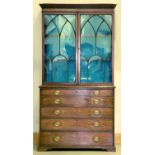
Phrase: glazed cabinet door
(95,48)
(59,48)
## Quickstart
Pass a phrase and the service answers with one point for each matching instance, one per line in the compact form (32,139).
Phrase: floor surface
(118,152)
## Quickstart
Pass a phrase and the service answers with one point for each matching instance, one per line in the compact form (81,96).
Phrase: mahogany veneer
(77,101)
(64,112)
(77,124)
(68,139)
(57,92)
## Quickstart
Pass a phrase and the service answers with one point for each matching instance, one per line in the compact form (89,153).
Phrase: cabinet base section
(77,148)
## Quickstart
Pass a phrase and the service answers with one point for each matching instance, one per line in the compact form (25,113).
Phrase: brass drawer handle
(96,139)
(96,112)
(57,112)
(57,92)
(96,124)
(96,101)
(57,124)
(57,138)
(57,101)
(96,92)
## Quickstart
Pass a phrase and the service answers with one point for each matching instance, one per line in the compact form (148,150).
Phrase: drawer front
(95,124)
(58,124)
(60,92)
(95,138)
(66,112)
(76,138)
(76,101)
(77,124)
(58,138)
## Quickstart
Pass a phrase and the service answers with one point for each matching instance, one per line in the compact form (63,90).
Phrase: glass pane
(87,41)
(60,21)
(84,18)
(49,18)
(67,41)
(48,70)
(108,70)
(71,70)
(60,48)
(96,51)
(52,43)
(103,41)
(83,70)
(95,67)
(96,21)
(71,20)
(59,69)
(107,19)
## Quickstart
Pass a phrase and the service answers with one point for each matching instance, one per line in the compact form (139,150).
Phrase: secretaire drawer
(77,124)
(77,101)
(58,92)
(65,112)
(76,138)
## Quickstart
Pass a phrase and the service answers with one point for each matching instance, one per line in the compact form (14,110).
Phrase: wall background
(37,57)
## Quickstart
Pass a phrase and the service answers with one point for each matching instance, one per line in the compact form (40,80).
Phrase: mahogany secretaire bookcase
(77,91)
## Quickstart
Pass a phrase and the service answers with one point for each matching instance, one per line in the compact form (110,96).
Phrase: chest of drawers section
(77,118)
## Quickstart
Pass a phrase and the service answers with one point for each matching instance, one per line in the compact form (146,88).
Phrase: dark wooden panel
(76,138)
(59,92)
(67,112)
(76,124)
(78,6)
